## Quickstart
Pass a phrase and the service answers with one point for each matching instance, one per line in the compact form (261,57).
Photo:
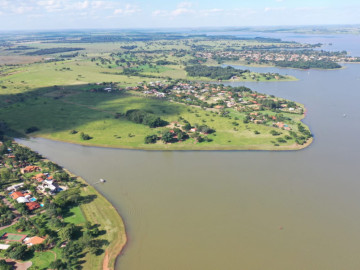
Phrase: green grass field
(100,211)
(93,114)
(29,98)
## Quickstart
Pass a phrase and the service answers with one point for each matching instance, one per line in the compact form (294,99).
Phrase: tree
(62,176)
(85,136)
(187,126)
(150,139)
(167,137)
(5,266)
(58,265)
(16,251)
(65,234)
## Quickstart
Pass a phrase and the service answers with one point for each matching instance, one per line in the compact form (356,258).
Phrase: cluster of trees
(24,154)
(305,135)
(204,129)
(129,47)
(218,73)
(6,175)
(145,118)
(164,63)
(151,139)
(6,215)
(308,64)
(53,50)
(16,251)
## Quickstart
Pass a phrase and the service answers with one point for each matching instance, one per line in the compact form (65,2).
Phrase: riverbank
(179,147)
(101,211)
(269,65)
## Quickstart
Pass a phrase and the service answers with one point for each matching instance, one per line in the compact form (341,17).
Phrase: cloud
(185,5)
(182,11)
(67,7)
(269,9)
(209,12)
(129,9)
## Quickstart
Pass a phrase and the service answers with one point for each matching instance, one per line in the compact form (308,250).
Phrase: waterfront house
(29,169)
(49,185)
(32,205)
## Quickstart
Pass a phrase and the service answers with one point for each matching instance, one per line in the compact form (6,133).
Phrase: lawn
(100,211)
(75,216)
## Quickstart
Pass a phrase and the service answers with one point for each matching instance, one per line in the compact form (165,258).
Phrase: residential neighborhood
(37,203)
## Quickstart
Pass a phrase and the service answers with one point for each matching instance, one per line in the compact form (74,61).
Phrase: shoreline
(293,68)
(117,240)
(292,147)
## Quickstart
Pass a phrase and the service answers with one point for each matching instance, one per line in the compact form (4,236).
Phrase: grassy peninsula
(81,90)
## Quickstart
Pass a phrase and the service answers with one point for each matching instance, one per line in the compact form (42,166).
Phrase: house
(40,177)
(50,185)
(17,194)
(15,187)
(32,205)
(29,169)
(36,240)
(23,200)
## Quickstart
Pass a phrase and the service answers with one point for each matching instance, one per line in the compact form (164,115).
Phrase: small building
(32,205)
(36,240)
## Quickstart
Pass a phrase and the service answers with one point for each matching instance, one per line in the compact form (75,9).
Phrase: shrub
(275,133)
(85,136)
(151,139)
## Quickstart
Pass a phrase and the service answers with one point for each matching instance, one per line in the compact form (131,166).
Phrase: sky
(129,14)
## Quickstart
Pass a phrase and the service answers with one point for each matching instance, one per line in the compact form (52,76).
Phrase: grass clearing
(100,211)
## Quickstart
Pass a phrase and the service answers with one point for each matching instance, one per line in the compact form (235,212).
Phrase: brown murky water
(241,209)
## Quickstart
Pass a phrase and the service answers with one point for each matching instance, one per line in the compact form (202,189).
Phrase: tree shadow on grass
(66,108)
(88,199)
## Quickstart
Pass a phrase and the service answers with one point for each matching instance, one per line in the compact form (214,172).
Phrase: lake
(241,209)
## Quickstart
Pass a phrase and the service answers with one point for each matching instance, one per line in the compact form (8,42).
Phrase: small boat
(100,181)
(344,115)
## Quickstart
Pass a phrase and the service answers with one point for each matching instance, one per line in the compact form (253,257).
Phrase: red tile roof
(35,240)
(16,195)
(32,205)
